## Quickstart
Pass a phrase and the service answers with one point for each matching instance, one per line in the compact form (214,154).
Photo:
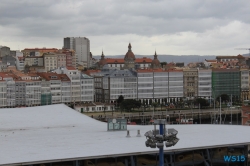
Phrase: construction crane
(243,49)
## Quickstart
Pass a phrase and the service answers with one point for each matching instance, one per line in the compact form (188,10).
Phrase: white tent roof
(57,133)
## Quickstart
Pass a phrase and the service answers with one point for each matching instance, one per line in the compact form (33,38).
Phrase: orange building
(37,51)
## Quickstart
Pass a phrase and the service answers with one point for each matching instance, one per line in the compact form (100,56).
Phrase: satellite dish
(114,120)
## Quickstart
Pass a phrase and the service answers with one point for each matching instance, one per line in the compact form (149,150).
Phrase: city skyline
(170,27)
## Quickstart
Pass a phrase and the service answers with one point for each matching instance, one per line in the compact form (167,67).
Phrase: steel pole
(200,112)
(220,110)
(161,154)
(231,117)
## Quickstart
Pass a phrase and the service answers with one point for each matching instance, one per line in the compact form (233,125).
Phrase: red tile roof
(143,60)
(150,70)
(64,77)
(88,72)
(70,68)
(121,61)
(54,49)
(114,60)
(48,77)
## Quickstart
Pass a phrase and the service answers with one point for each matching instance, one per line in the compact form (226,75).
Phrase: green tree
(224,98)
(119,101)
(129,104)
(202,102)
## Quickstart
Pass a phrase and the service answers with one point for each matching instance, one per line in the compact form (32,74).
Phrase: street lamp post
(231,110)
(112,110)
(220,110)
(155,138)
(200,112)
(179,117)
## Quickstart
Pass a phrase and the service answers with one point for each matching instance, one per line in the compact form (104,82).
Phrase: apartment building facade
(190,77)
(75,79)
(20,63)
(33,61)
(61,60)
(4,50)
(244,84)
(27,52)
(145,85)
(33,90)
(81,45)
(226,81)
(120,82)
(87,88)
(46,98)
(10,92)
(175,85)
(50,61)
(65,88)
(205,83)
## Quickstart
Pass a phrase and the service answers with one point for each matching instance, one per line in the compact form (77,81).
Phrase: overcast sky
(176,27)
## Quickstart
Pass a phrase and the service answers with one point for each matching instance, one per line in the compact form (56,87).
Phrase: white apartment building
(20,92)
(33,92)
(87,88)
(145,84)
(65,88)
(45,92)
(75,77)
(81,45)
(55,89)
(148,85)
(160,86)
(10,92)
(205,83)
(175,85)
(20,63)
(120,82)
(3,91)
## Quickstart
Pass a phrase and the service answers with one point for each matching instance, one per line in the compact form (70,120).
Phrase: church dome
(155,62)
(129,54)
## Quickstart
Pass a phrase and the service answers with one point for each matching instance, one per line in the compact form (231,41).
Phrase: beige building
(33,61)
(244,76)
(50,61)
(190,87)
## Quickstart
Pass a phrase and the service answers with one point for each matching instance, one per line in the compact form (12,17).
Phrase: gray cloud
(46,20)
